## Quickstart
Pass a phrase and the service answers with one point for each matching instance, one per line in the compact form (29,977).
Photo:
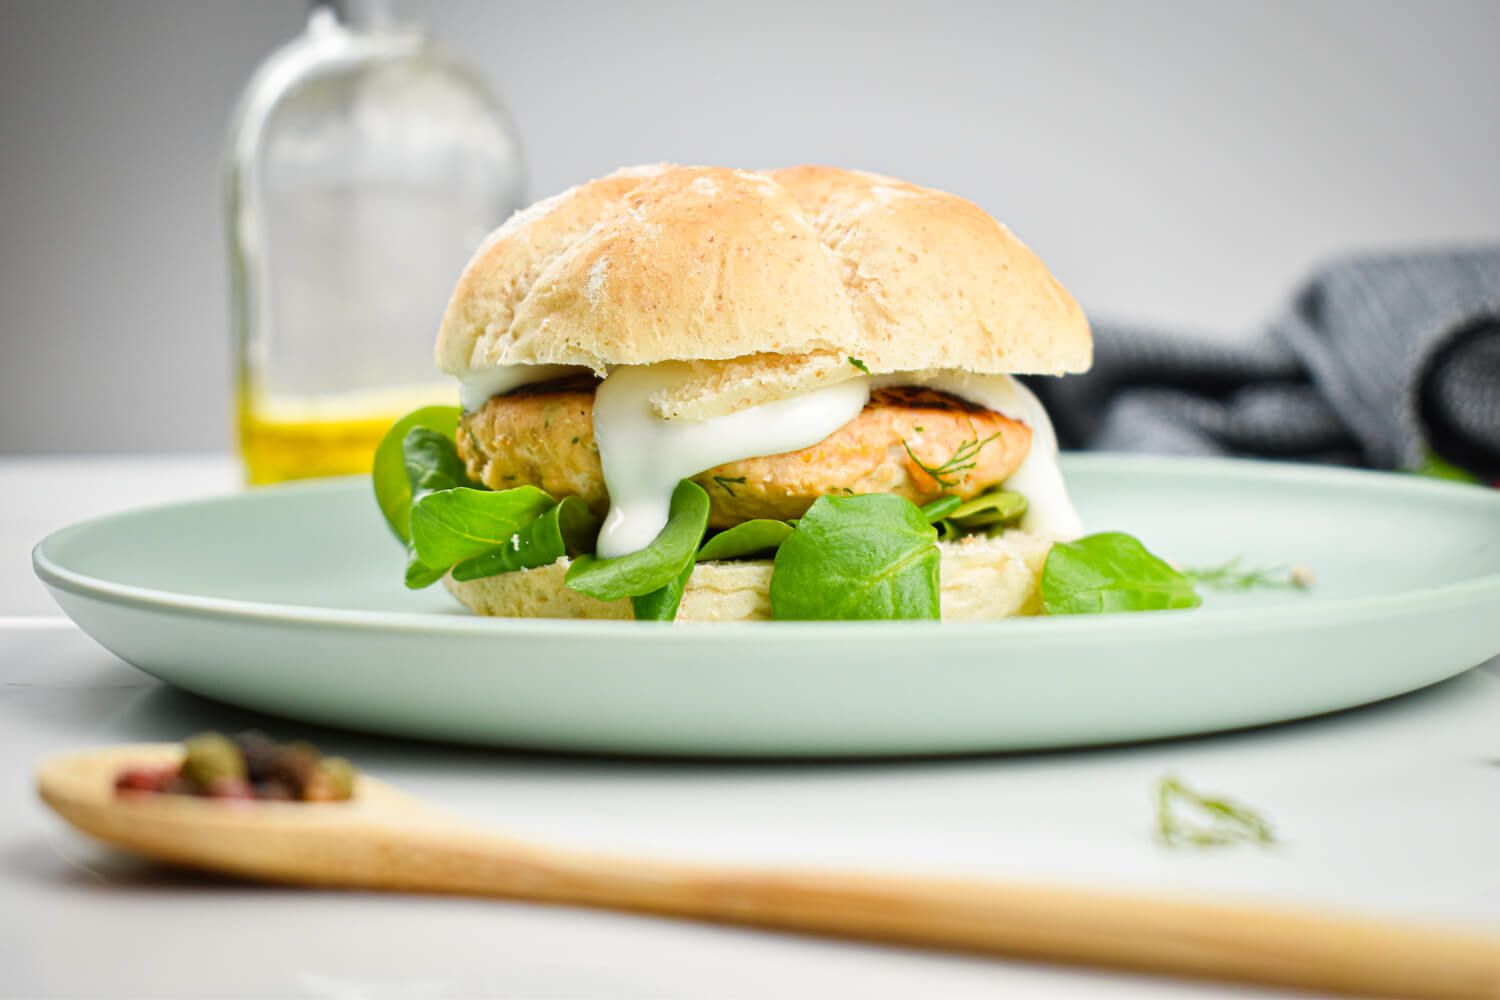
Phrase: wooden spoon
(384,839)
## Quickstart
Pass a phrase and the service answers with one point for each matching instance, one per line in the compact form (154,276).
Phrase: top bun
(791,271)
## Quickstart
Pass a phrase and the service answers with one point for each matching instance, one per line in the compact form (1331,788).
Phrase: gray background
(1181,163)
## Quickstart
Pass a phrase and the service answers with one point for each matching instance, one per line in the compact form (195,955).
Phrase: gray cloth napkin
(1379,361)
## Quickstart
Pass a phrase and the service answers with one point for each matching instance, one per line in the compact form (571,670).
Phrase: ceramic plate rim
(1406,601)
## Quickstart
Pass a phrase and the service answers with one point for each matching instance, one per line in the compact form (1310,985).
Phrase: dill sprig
(1232,576)
(724,482)
(1185,818)
(955,470)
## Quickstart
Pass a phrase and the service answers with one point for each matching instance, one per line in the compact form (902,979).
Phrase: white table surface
(1390,810)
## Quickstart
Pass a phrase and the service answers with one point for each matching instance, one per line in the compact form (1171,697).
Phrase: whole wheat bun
(769,281)
(982,579)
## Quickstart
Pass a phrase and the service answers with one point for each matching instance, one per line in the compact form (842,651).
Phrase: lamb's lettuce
(419,574)
(450,526)
(450,523)
(416,458)
(861,557)
(568,529)
(668,556)
(432,463)
(392,481)
(661,604)
(990,513)
(937,510)
(989,509)
(761,536)
(1111,571)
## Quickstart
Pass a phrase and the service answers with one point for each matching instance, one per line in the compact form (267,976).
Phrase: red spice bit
(152,778)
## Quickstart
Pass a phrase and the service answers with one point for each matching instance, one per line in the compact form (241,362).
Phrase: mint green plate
(289,600)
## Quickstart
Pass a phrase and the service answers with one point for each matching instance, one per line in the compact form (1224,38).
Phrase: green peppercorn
(336,779)
(210,757)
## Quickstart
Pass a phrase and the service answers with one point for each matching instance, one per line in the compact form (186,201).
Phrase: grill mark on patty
(916,397)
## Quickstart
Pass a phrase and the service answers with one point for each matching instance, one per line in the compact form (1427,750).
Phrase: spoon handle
(1261,945)
(387,840)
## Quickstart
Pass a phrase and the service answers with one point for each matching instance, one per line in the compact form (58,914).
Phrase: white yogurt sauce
(644,456)
(476,387)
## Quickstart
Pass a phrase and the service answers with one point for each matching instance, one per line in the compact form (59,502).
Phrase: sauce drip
(645,456)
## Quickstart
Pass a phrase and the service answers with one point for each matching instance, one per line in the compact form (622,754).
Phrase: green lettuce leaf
(749,538)
(390,476)
(567,529)
(989,513)
(432,463)
(861,557)
(419,575)
(668,556)
(936,510)
(661,604)
(450,526)
(1111,571)
(989,509)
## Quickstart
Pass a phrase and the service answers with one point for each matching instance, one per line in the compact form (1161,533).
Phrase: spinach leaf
(419,574)
(1111,571)
(429,463)
(393,489)
(936,510)
(861,557)
(747,539)
(987,509)
(990,512)
(432,463)
(450,526)
(661,604)
(567,529)
(667,557)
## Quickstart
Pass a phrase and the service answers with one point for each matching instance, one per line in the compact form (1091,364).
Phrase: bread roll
(770,280)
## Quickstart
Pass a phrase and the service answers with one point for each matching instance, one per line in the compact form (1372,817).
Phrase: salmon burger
(695,393)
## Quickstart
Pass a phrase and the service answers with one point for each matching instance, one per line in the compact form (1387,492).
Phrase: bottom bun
(982,579)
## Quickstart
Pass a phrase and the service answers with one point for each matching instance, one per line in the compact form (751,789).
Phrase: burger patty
(915,442)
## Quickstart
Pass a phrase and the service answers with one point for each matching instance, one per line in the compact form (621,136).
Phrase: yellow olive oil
(336,435)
